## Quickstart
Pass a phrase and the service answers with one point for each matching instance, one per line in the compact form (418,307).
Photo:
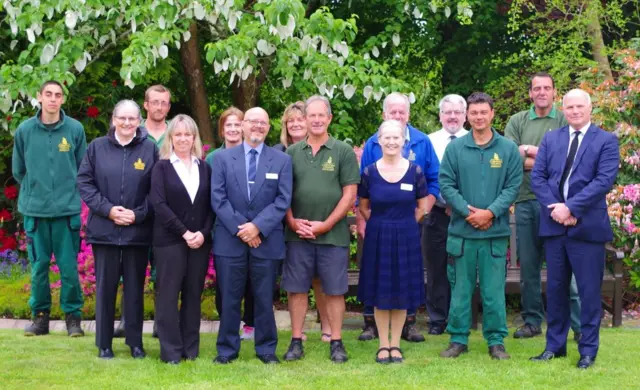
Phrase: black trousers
(180,274)
(248,316)
(111,262)
(233,273)
(434,248)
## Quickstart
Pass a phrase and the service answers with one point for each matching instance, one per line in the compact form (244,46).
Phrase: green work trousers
(60,237)
(473,260)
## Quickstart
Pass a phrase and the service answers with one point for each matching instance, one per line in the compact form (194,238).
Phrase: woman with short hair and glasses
(114,180)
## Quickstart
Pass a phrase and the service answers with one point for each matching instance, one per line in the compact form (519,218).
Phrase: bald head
(255,126)
(576,106)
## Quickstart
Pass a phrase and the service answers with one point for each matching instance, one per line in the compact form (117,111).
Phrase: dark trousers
(232,275)
(111,262)
(434,251)
(247,317)
(180,274)
(586,260)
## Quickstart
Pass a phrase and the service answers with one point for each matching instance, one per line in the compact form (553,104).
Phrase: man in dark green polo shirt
(526,129)
(480,175)
(325,179)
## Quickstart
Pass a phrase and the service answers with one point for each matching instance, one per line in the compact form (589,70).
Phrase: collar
(470,142)
(583,130)
(407,135)
(115,133)
(247,148)
(329,144)
(60,122)
(552,114)
(174,158)
(462,131)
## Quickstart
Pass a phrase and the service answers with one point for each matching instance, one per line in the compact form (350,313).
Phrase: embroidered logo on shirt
(328,165)
(64,146)
(495,162)
(412,156)
(139,165)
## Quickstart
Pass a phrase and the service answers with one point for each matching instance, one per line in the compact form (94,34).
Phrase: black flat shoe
(138,353)
(436,330)
(172,362)
(269,359)
(396,359)
(383,360)
(548,355)
(586,362)
(106,354)
(224,359)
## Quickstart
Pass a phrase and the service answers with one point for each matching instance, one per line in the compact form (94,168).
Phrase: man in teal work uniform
(526,129)
(480,175)
(47,152)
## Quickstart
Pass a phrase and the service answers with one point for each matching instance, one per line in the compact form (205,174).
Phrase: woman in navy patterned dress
(393,196)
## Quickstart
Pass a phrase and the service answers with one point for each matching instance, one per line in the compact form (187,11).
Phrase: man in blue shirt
(419,150)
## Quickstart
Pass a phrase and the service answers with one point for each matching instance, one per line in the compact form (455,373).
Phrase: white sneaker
(247,333)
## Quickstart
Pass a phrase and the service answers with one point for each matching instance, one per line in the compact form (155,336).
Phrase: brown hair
(156,88)
(231,111)
(293,108)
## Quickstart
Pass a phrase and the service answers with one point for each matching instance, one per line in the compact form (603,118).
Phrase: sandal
(396,359)
(325,337)
(384,360)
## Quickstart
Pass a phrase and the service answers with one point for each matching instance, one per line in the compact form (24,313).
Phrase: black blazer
(174,212)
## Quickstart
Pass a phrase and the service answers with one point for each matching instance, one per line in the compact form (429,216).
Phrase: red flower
(8,242)
(114,83)
(93,112)
(5,216)
(89,99)
(9,117)
(11,192)
(3,233)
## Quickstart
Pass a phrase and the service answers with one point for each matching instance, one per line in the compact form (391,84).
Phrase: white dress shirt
(572,131)
(190,178)
(440,139)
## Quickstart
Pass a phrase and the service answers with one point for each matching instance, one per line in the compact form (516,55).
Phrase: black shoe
(337,352)
(295,351)
(586,362)
(172,362)
(410,333)
(106,354)
(436,330)
(577,336)
(138,353)
(154,333)
(498,352)
(396,359)
(224,359)
(118,332)
(383,360)
(39,326)
(369,332)
(454,350)
(548,355)
(269,359)
(189,358)
(73,326)
(527,331)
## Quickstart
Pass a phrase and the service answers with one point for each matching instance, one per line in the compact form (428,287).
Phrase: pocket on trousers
(74,222)
(455,246)
(30,224)
(499,247)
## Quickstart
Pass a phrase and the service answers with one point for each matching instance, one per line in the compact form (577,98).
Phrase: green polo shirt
(209,158)
(527,128)
(158,141)
(317,186)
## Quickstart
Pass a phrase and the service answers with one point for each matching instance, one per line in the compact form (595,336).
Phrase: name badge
(272,176)
(406,187)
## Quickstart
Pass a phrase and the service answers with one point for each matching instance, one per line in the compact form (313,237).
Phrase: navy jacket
(114,175)
(594,171)
(270,199)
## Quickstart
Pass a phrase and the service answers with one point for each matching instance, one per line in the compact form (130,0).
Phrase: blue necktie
(251,173)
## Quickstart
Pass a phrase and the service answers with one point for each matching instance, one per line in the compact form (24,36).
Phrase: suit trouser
(586,260)
(232,276)
(180,276)
(60,237)
(489,257)
(530,253)
(248,316)
(111,261)
(434,241)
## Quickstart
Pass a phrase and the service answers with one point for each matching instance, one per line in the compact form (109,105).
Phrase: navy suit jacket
(270,199)
(594,171)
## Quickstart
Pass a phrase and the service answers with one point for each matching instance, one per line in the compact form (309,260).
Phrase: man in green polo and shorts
(325,180)
(480,175)
(47,152)
(526,129)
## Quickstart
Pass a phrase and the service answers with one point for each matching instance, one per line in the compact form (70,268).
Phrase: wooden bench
(611,283)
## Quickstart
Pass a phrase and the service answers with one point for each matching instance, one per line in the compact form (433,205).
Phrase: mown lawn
(60,362)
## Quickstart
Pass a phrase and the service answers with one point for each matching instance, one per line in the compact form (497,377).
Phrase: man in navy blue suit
(575,168)
(250,194)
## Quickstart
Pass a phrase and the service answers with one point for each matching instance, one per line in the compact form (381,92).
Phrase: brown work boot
(410,331)
(39,326)
(369,331)
(454,350)
(73,325)
(498,352)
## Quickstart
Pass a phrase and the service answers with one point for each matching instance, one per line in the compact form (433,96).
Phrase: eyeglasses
(162,103)
(125,119)
(256,122)
(453,112)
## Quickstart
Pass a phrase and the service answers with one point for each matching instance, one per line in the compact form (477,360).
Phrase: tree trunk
(598,47)
(192,67)
(247,94)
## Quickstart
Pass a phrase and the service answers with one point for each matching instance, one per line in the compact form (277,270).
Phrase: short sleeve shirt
(317,186)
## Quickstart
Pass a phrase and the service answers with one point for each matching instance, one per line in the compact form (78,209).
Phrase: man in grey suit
(250,194)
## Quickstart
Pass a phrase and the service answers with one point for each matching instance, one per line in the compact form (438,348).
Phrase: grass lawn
(58,361)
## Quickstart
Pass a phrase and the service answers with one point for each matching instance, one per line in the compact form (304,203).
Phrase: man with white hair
(576,166)
(453,109)
(419,150)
